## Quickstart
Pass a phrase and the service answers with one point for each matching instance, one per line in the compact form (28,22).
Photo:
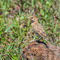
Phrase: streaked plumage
(37,28)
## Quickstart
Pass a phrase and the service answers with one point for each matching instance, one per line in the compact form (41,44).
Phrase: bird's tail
(50,45)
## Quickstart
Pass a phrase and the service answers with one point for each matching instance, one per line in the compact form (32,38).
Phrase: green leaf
(32,1)
(8,28)
(55,28)
(28,23)
(42,12)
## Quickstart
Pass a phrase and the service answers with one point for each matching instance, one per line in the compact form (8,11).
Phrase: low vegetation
(15,28)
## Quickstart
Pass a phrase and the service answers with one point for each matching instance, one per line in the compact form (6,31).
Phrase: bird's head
(33,19)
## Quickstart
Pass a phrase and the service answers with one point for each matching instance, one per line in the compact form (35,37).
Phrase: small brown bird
(37,28)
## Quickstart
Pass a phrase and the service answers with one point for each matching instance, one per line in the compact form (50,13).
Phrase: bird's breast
(38,29)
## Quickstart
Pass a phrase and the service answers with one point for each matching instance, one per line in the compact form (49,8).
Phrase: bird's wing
(37,28)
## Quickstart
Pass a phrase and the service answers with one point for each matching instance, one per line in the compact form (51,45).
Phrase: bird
(37,27)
